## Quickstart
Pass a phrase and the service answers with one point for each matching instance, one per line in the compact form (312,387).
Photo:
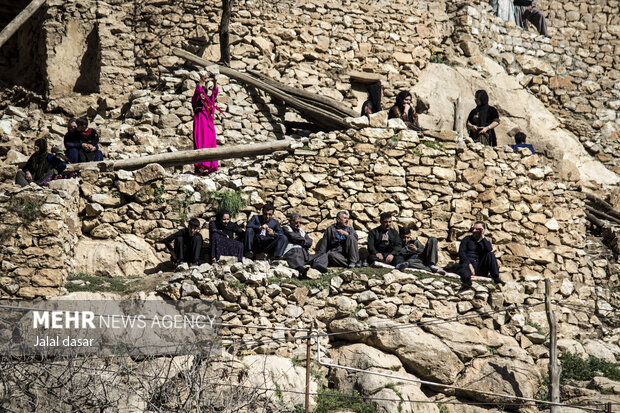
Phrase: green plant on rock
(434,145)
(231,201)
(331,400)
(238,285)
(158,194)
(181,206)
(576,368)
(27,210)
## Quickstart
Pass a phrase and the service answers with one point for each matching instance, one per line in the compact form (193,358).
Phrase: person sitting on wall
(482,120)
(185,245)
(525,10)
(373,104)
(225,237)
(520,143)
(413,254)
(476,257)
(340,243)
(296,253)
(383,242)
(264,235)
(41,167)
(403,110)
(82,142)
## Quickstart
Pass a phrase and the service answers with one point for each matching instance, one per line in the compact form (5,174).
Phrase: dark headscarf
(483,106)
(39,159)
(374,99)
(231,229)
(219,218)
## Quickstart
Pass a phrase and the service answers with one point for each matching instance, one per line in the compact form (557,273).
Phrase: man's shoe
(498,281)
(194,264)
(303,271)
(249,255)
(353,265)
(402,266)
(436,269)
(320,269)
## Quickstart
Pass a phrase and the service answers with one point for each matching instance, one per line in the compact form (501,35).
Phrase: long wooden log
(319,115)
(326,102)
(186,157)
(602,215)
(19,20)
(602,205)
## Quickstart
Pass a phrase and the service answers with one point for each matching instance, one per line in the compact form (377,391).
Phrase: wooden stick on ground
(320,116)
(186,157)
(19,20)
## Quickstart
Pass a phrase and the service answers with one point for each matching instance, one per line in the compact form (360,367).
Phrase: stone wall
(574,72)
(38,232)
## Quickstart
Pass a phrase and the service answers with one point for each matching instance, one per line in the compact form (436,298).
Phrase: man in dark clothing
(340,243)
(476,257)
(526,10)
(264,234)
(383,242)
(413,254)
(82,142)
(187,244)
(520,143)
(296,253)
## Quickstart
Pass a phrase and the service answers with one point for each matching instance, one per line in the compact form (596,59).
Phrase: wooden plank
(186,157)
(19,20)
(323,117)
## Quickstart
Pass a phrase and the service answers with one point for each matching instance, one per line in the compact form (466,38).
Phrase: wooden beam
(554,368)
(19,20)
(186,157)
(323,117)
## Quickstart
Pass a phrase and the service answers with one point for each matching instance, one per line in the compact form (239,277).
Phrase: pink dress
(204,128)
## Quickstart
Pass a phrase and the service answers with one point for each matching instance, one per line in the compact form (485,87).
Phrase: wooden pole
(224,33)
(321,116)
(554,367)
(186,157)
(458,117)
(307,404)
(19,20)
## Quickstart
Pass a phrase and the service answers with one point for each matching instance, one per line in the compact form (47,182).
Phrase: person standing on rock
(340,243)
(373,104)
(414,254)
(41,166)
(225,237)
(482,120)
(82,142)
(383,242)
(204,116)
(476,257)
(403,110)
(525,10)
(263,234)
(296,253)
(185,245)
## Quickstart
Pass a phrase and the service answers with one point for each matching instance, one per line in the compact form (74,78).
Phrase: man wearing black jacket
(383,242)
(477,257)
(264,234)
(185,245)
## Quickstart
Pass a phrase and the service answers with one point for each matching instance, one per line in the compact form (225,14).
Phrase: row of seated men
(337,248)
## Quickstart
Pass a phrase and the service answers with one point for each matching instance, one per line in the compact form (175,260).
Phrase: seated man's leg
(488,266)
(351,250)
(319,262)
(248,240)
(464,272)
(336,258)
(295,258)
(179,248)
(538,20)
(194,249)
(428,253)
(280,245)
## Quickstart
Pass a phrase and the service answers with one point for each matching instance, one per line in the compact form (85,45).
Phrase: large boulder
(375,386)
(275,372)
(489,378)
(129,255)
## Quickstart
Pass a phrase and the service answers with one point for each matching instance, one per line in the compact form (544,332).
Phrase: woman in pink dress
(204,114)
